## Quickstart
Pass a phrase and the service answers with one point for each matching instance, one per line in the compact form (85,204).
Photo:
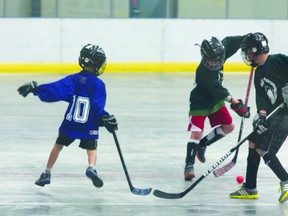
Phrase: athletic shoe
(189,172)
(201,154)
(92,174)
(284,191)
(44,179)
(245,193)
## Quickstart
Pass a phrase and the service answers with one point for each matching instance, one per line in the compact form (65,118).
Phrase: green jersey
(208,95)
(269,80)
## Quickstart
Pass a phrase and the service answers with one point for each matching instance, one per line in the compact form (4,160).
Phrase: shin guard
(191,152)
(212,137)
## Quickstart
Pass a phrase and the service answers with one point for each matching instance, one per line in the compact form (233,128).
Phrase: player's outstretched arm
(25,89)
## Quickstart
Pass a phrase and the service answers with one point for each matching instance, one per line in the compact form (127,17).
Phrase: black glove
(259,123)
(241,109)
(25,89)
(110,122)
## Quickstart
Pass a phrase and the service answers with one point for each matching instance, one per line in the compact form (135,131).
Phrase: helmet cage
(212,64)
(249,58)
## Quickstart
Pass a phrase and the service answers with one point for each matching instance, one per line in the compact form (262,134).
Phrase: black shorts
(84,144)
(273,139)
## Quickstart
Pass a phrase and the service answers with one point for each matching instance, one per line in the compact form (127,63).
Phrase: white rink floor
(151,110)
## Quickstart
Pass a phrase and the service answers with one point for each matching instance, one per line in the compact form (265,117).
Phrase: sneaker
(201,154)
(245,193)
(44,179)
(189,172)
(284,191)
(92,174)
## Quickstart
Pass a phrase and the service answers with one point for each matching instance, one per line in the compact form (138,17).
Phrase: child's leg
(91,146)
(222,123)
(196,126)
(53,156)
(45,177)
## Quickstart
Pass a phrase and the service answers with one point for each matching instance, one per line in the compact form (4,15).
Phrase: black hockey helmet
(93,56)
(253,45)
(213,54)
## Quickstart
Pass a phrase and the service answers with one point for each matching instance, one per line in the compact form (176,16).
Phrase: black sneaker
(92,174)
(201,154)
(189,172)
(44,179)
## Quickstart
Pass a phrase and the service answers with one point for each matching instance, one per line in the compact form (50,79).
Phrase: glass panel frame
(193,9)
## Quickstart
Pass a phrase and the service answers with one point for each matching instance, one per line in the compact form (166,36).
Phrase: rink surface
(151,110)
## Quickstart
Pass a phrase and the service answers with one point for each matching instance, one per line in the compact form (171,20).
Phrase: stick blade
(164,195)
(142,192)
(221,171)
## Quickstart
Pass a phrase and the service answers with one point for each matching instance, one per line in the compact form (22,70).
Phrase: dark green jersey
(269,80)
(208,94)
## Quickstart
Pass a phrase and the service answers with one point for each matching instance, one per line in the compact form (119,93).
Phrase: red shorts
(222,116)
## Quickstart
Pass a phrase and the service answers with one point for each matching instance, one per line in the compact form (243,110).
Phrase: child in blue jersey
(86,95)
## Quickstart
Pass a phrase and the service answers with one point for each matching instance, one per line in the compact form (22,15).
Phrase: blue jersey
(86,95)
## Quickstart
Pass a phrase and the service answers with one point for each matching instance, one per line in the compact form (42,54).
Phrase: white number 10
(81,111)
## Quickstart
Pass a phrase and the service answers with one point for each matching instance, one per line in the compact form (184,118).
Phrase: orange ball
(240,179)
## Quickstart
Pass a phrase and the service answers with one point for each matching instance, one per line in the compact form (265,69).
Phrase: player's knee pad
(219,131)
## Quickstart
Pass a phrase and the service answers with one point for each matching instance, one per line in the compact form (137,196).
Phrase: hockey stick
(221,171)
(134,190)
(164,195)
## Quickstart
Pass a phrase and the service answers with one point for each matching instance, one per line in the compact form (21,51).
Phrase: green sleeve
(232,44)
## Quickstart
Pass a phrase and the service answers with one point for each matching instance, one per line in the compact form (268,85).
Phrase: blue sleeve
(60,90)
(100,102)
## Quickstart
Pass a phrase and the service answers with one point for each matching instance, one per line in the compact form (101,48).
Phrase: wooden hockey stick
(134,190)
(165,195)
(222,170)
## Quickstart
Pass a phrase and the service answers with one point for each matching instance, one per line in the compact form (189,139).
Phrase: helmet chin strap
(253,63)
(96,71)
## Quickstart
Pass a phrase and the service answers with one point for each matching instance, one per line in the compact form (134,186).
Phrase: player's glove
(110,122)
(241,109)
(25,89)
(259,123)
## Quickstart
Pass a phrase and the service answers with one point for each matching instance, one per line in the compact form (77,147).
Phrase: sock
(216,134)
(273,162)
(48,170)
(253,161)
(191,151)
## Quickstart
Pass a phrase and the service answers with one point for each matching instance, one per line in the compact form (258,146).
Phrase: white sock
(92,166)
(48,170)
